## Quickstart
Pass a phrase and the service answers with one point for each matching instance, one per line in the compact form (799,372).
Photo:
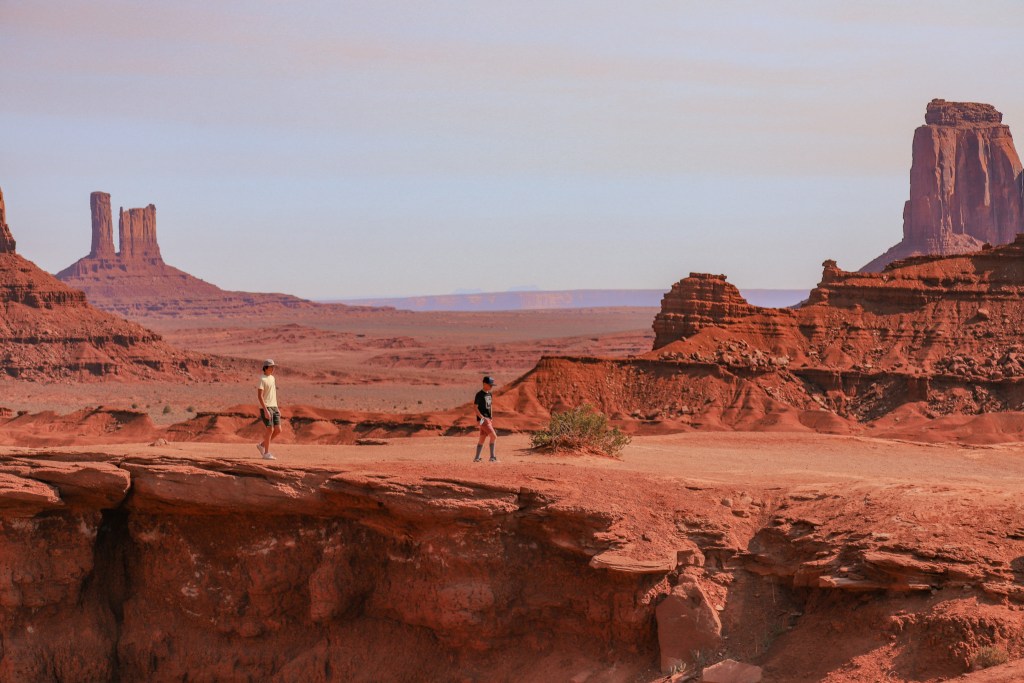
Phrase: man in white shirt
(269,412)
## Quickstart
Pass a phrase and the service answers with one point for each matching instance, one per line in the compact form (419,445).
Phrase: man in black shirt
(483,416)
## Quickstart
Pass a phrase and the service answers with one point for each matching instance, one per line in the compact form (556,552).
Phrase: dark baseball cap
(489,380)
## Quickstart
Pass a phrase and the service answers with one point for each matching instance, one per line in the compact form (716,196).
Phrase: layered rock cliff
(49,332)
(694,302)
(966,184)
(932,335)
(136,282)
(151,567)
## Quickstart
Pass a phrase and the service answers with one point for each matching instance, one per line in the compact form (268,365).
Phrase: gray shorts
(275,417)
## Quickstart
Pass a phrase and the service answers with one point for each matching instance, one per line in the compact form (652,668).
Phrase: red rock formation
(102,227)
(49,332)
(966,184)
(695,302)
(943,333)
(137,235)
(238,571)
(7,242)
(137,283)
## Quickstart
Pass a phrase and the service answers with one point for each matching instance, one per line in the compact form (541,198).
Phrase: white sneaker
(268,456)
(259,447)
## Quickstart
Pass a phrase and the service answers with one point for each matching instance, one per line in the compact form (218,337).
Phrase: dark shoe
(493,460)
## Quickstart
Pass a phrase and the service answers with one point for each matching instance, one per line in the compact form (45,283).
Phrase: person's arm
(259,397)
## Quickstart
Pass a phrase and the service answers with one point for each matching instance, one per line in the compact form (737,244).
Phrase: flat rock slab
(731,671)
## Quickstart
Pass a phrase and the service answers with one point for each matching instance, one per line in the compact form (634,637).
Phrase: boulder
(687,624)
(731,671)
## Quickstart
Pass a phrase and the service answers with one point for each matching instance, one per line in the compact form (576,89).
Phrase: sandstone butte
(49,332)
(966,184)
(136,282)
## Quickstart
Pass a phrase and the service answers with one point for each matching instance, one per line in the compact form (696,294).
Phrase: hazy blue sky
(383,147)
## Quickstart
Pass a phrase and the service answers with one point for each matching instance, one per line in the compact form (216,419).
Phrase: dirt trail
(733,458)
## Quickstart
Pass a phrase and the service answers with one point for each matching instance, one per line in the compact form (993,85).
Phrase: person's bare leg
(493,435)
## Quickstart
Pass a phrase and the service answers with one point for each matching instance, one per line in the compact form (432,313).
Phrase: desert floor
(715,458)
(387,361)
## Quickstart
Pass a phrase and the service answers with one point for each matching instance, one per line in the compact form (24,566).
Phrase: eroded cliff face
(929,337)
(696,301)
(152,568)
(966,184)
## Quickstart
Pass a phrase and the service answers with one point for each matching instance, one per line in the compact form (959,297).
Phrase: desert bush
(167,409)
(580,429)
(991,655)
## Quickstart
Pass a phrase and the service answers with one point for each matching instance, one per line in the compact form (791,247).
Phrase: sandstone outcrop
(49,332)
(162,568)
(966,184)
(931,341)
(7,242)
(694,302)
(136,282)
(102,228)
(137,235)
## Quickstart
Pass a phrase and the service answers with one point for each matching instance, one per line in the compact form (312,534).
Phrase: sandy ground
(386,361)
(730,458)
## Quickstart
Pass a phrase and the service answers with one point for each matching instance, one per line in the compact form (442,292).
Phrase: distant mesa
(49,332)
(966,184)
(136,282)
(562,299)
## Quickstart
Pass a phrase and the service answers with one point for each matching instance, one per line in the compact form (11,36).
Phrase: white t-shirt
(269,387)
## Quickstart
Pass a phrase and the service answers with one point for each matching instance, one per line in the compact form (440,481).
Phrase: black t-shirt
(483,403)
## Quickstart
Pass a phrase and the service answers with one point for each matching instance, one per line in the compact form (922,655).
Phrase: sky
(345,149)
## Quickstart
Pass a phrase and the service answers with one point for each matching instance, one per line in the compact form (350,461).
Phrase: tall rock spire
(137,234)
(965,184)
(7,242)
(102,226)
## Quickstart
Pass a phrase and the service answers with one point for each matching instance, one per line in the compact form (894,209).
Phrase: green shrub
(580,429)
(991,655)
